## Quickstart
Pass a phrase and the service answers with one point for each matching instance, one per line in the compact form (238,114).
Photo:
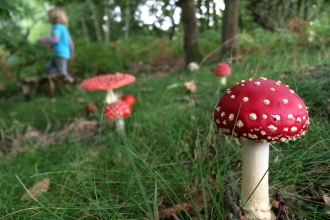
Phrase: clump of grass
(170,153)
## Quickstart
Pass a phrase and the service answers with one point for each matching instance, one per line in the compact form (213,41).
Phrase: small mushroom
(260,123)
(91,108)
(129,99)
(117,111)
(108,82)
(223,70)
(193,66)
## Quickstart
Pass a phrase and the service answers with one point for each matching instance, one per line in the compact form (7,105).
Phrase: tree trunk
(229,28)
(127,18)
(96,23)
(172,29)
(84,26)
(306,10)
(107,21)
(189,22)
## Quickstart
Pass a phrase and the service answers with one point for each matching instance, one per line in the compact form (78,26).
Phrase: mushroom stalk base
(120,123)
(255,191)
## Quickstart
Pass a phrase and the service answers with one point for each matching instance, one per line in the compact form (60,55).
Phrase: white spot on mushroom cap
(257,83)
(231,117)
(245,99)
(239,124)
(272,128)
(232,96)
(266,102)
(290,116)
(299,106)
(276,117)
(278,83)
(264,116)
(252,116)
(272,89)
(293,129)
(285,101)
(217,109)
(298,119)
(222,114)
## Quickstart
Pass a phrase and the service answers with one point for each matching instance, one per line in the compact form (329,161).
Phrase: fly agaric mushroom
(117,111)
(91,108)
(108,82)
(260,111)
(223,70)
(129,99)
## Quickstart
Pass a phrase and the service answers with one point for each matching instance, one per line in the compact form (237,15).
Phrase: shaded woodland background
(110,35)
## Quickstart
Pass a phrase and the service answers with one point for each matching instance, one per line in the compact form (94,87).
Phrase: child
(61,43)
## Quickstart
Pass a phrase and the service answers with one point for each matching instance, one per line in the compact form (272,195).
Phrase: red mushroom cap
(222,69)
(107,81)
(91,107)
(129,99)
(118,109)
(262,110)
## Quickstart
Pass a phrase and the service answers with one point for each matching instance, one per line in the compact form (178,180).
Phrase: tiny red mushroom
(117,111)
(223,70)
(91,107)
(108,82)
(260,111)
(129,99)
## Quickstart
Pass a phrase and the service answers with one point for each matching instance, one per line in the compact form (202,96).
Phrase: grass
(170,154)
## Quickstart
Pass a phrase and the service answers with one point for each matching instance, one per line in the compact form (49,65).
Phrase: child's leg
(51,66)
(61,65)
(62,68)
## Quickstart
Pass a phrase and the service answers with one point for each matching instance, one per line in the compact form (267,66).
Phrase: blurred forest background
(153,36)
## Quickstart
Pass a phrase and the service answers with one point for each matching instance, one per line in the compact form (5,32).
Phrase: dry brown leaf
(326,199)
(37,189)
(191,86)
(32,133)
(174,210)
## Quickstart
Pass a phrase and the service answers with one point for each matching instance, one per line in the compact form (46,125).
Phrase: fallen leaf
(326,199)
(167,212)
(190,86)
(37,189)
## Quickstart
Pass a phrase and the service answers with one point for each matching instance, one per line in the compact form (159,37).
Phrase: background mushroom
(223,70)
(193,66)
(108,82)
(129,99)
(117,111)
(260,111)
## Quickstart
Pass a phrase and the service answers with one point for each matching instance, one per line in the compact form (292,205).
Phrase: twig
(27,190)
(174,85)
(49,124)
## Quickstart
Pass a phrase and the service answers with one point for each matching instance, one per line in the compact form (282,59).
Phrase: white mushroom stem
(110,97)
(255,191)
(120,123)
(223,80)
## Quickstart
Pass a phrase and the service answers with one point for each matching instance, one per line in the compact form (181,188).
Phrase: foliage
(96,58)
(209,40)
